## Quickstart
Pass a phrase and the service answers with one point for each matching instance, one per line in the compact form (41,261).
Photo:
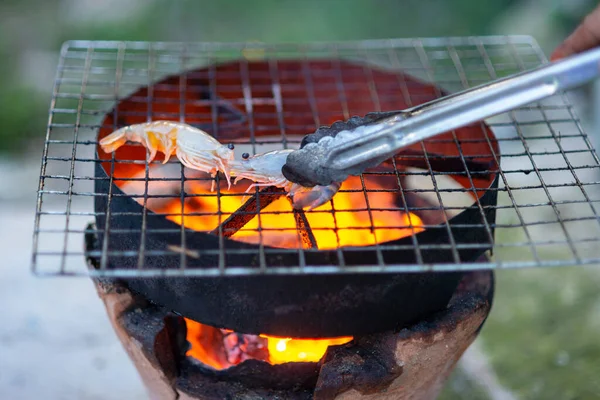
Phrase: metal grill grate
(548,195)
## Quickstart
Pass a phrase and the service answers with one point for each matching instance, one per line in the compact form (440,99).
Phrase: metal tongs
(351,151)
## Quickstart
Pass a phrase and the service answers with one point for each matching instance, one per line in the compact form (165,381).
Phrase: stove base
(412,363)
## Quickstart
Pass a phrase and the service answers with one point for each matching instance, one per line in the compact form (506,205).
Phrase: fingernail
(557,55)
(559,52)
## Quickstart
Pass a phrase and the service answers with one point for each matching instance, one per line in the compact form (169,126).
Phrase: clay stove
(411,363)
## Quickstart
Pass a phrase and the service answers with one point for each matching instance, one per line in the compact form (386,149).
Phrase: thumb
(585,37)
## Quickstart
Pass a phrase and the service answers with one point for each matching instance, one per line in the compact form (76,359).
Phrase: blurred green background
(31,32)
(542,338)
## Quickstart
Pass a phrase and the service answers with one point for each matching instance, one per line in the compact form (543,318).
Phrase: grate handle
(352,151)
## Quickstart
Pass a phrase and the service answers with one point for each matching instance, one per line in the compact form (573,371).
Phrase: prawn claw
(303,197)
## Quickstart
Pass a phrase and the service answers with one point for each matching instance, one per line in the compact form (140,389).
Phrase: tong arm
(350,152)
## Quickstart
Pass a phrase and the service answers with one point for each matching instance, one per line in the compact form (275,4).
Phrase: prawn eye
(230,146)
(245,156)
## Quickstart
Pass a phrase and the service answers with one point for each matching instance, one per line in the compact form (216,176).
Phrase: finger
(585,37)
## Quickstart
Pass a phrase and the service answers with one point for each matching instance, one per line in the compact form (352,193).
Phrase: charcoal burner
(411,363)
(305,305)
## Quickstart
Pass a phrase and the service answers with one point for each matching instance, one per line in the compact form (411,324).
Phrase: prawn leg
(204,163)
(225,171)
(171,145)
(151,145)
(254,185)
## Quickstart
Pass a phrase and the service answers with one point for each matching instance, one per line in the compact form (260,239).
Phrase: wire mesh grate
(547,212)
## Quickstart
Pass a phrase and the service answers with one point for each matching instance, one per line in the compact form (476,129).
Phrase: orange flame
(204,340)
(284,350)
(208,346)
(349,225)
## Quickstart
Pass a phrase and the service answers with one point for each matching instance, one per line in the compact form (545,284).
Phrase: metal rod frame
(548,211)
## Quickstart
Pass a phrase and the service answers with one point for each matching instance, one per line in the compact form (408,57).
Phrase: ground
(55,339)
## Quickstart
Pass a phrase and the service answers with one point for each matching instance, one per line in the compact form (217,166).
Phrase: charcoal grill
(540,202)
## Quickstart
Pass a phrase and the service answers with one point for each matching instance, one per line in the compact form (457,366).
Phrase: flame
(204,341)
(209,347)
(283,350)
(349,225)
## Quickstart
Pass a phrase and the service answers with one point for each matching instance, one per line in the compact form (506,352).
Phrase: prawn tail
(115,140)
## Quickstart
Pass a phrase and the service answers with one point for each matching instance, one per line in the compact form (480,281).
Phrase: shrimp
(194,148)
(265,170)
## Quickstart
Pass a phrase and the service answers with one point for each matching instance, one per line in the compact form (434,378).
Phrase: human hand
(584,37)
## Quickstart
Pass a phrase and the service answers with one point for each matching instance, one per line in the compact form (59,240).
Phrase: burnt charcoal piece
(249,210)
(367,363)
(309,305)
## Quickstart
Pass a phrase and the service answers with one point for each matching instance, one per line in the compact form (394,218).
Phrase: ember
(221,348)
